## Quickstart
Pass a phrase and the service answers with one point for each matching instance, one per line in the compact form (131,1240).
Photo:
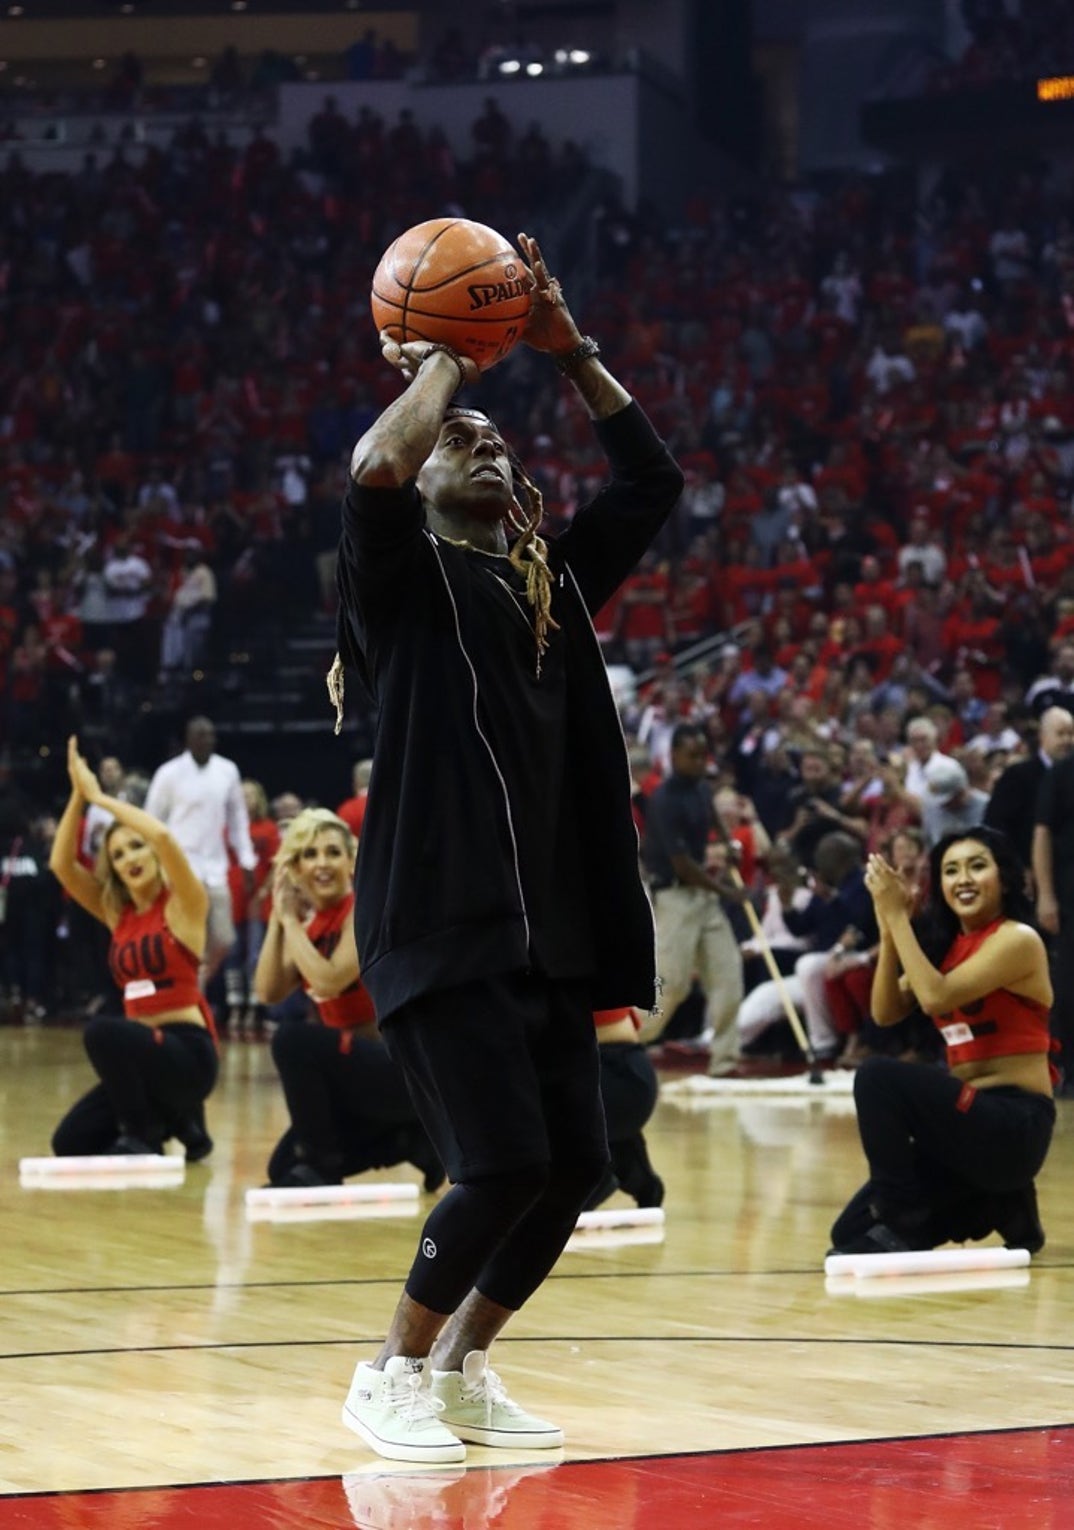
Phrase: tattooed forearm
(394,448)
(599,391)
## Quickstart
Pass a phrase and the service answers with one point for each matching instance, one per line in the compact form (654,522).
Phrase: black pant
(934,1144)
(346,1099)
(1063,983)
(505,1076)
(151,1078)
(628,1086)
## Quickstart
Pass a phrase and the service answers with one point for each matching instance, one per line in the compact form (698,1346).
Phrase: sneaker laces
(490,1391)
(412,1401)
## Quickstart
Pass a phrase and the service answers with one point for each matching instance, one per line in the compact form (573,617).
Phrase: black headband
(460,411)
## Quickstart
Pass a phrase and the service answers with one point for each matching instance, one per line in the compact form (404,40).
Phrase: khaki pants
(219,933)
(694,939)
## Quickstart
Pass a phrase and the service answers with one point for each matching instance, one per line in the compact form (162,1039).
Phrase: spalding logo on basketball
(456,282)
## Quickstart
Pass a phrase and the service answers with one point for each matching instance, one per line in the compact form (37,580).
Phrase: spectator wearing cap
(951,805)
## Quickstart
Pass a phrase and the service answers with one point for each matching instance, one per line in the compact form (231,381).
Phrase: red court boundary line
(957,1478)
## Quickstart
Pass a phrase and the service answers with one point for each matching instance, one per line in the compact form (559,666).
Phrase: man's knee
(571,1183)
(505,1198)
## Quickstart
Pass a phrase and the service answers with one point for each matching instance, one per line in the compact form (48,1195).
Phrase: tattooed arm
(394,448)
(552,329)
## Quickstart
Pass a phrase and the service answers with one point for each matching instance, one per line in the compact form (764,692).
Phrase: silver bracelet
(570,361)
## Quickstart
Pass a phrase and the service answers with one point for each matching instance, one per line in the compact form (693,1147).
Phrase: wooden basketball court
(157,1339)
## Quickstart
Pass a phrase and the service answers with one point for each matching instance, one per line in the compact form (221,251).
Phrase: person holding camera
(816,807)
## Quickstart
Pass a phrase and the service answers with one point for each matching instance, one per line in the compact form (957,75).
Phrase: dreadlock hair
(528,555)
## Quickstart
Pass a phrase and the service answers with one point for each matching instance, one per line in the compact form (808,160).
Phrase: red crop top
(155,972)
(353,1006)
(1000,1024)
(613,1016)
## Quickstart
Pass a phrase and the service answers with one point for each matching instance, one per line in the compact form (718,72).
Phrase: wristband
(439,345)
(571,360)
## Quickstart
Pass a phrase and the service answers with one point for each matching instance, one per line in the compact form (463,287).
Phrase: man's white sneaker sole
(475,1406)
(396,1450)
(523,1439)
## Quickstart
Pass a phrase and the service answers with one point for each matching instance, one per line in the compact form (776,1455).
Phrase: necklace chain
(472,546)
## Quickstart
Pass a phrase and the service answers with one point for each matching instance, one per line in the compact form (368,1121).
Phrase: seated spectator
(1057,688)
(848,977)
(996,732)
(839,913)
(744,828)
(785,887)
(186,627)
(921,738)
(352,811)
(816,807)
(892,809)
(951,804)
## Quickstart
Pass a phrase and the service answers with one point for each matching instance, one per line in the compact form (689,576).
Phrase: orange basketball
(456,282)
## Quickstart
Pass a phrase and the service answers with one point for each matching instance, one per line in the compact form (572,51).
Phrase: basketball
(455,282)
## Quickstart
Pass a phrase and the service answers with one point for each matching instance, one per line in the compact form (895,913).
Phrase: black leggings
(349,1105)
(506,1078)
(628,1087)
(934,1144)
(151,1078)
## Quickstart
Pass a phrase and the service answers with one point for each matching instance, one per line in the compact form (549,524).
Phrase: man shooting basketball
(498,902)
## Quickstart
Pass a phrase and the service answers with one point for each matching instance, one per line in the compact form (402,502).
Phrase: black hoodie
(448,866)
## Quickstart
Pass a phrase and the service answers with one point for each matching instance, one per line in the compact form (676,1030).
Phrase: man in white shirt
(129,581)
(921,737)
(199,796)
(924,549)
(967,323)
(886,369)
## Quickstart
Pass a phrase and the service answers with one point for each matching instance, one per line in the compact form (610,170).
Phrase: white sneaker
(396,1415)
(477,1408)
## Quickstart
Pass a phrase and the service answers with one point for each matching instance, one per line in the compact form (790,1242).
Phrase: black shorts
(504,1073)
